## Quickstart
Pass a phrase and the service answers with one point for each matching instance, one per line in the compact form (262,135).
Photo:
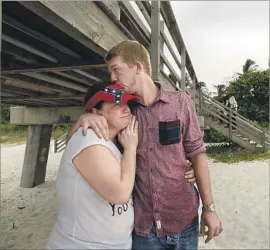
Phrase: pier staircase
(231,124)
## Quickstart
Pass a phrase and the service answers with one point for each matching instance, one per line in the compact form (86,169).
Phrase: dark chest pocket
(169,132)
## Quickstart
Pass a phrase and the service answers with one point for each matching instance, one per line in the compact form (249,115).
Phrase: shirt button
(150,149)
(150,129)
(151,170)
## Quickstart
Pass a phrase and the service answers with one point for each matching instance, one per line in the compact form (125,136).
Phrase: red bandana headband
(112,93)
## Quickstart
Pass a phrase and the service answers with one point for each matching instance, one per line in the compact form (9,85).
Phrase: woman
(95,181)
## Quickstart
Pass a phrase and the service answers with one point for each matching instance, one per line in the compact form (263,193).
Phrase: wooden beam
(155,40)
(89,76)
(36,84)
(112,10)
(7,94)
(30,104)
(35,102)
(162,44)
(194,90)
(28,48)
(169,46)
(170,67)
(18,90)
(30,55)
(133,15)
(81,20)
(170,21)
(52,69)
(23,56)
(26,85)
(36,155)
(24,94)
(75,76)
(20,56)
(147,6)
(183,72)
(169,84)
(113,7)
(56,81)
(9,21)
(53,115)
(44,97)
(145,13)
(134,23)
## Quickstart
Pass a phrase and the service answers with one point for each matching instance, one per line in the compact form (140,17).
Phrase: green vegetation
(251,90)
(234,154)
(13,134)
(16,134)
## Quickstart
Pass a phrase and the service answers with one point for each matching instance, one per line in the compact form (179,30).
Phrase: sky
(221,35)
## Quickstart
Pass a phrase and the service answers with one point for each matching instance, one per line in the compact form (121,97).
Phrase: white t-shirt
(85,219)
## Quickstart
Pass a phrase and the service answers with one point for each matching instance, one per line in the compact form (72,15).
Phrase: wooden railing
(166,32)
(208,106)
(60,143)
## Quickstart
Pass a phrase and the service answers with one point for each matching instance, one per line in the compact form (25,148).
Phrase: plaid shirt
(161,194)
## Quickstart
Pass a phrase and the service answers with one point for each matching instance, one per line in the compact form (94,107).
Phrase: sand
(241,193)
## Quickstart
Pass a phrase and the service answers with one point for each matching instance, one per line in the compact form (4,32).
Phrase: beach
(241,193)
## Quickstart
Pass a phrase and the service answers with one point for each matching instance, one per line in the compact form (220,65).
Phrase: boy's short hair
(131,51)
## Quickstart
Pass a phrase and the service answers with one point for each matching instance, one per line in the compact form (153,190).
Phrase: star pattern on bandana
(116,92)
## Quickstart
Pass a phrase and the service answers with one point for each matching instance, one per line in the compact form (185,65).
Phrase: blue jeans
(187,240)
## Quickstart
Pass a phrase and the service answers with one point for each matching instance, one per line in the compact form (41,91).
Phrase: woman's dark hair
(94,89)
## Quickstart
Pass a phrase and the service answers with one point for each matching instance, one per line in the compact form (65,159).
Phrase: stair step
(243,140)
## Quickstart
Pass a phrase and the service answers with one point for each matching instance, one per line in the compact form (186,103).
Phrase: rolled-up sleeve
(192,135)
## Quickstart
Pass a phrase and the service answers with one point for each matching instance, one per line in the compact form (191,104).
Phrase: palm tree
(221,92)
(200,85)
(220,89)
(249,66)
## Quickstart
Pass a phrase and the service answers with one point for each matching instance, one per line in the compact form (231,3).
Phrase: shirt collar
(162,94)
